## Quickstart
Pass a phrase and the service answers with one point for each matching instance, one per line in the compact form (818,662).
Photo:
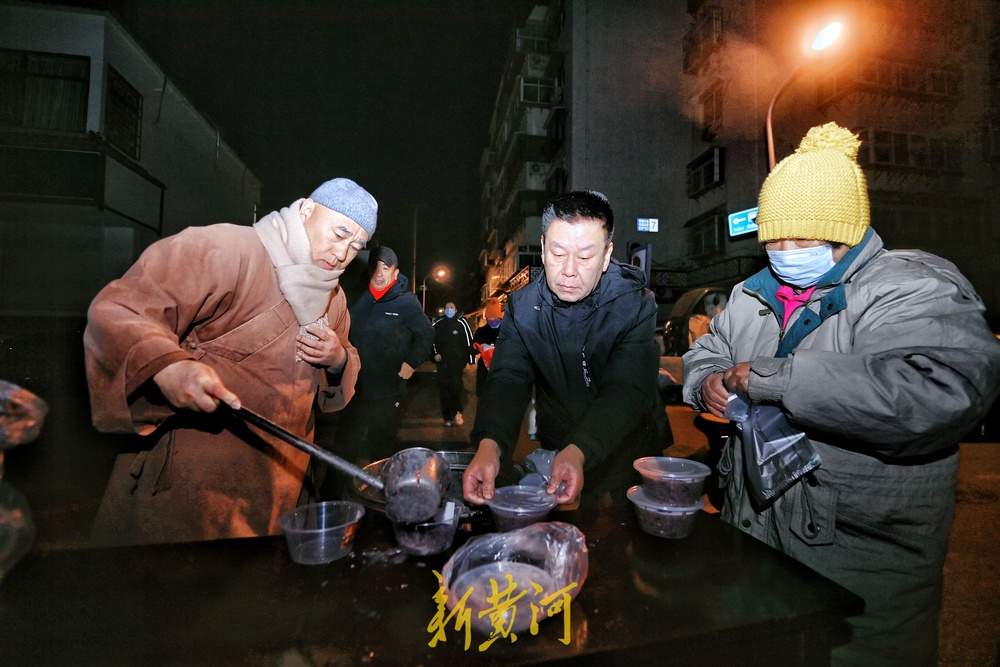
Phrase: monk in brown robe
(250,316)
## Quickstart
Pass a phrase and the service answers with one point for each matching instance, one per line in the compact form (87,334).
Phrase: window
(529,255)
(557,126)
(702,38)
(704,233)
(882,148)
(537,91)
(123,114)
(901,149)
(911,78)
(558,181)
(706,171)
(918,150)
(43,91)
(711,111)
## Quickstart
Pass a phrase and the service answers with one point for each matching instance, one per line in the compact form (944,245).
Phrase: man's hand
(714,394)
(737,378)
(478,479)
(437,358)
(321,346)
(193,385)
(406,371)
(567,472)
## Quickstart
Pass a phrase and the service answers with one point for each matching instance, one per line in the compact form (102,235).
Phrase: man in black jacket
(393,337)
(582,335)
(452,352)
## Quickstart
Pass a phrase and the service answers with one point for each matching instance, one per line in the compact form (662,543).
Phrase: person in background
(393,337)
(581,335)
(484,341)
(884,360)
(452,352)
(246,316)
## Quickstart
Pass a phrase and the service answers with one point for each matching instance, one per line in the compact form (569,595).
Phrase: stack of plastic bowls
(670,496)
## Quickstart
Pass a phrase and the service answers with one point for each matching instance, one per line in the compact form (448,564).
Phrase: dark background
(395,94)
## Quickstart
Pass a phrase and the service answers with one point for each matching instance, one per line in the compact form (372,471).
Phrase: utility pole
(413,280)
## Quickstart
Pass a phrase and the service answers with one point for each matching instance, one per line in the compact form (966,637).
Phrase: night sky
(395,94)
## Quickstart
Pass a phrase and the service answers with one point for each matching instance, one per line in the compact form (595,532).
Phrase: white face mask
(802,267)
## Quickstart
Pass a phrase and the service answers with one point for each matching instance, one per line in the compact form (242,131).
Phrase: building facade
(662,106)
(100,155)
(911,78)
(514,165)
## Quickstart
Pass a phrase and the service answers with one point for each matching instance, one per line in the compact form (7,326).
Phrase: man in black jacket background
(582,335)
(393,337)
(452,353)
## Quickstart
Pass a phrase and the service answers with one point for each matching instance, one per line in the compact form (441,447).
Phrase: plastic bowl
(674,523)
(321,532)
(519,506)
(672,481)
(429,537)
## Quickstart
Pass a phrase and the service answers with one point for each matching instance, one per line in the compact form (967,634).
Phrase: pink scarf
(792,301)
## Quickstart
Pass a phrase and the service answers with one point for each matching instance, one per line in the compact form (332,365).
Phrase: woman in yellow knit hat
(883,359)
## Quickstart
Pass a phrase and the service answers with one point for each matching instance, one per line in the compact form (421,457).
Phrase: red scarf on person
(379,293)
(792,301)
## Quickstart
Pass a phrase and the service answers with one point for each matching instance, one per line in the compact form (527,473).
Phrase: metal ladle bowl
(416,481)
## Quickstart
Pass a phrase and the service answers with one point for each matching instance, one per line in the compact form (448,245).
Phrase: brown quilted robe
(210,294)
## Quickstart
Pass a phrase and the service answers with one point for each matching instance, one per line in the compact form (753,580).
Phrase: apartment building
(100,155)
(662,106)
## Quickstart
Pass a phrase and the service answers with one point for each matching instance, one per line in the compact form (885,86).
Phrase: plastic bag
(538,465)
(539,560)
(775,453)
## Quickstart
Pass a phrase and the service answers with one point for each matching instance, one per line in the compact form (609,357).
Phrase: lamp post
(440,274)
(824,39)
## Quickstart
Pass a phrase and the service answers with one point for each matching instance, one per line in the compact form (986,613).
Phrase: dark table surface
(715,597)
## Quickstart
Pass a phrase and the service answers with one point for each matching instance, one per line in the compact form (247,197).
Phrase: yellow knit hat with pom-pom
(818,192)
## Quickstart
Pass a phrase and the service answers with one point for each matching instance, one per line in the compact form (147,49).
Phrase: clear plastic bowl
(672,481)
(519,506)
(321,532)
(661,520)
(429,537)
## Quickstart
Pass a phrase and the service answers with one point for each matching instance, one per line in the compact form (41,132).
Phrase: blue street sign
(743,222)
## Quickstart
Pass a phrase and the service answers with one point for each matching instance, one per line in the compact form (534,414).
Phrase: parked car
(690,316)
(689,319)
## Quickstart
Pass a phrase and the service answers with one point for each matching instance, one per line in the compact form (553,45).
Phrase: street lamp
(439,274)
(825,38)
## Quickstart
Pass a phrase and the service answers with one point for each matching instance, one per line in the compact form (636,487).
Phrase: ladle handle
(322,454)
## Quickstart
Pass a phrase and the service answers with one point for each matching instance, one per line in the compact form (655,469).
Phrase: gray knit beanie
(347,197)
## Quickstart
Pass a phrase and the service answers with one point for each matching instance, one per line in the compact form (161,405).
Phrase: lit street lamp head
(438,273)
(827,36)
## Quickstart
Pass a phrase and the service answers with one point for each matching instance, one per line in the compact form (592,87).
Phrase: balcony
(910,152)
(85,170)
(702,39)
(887,78)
